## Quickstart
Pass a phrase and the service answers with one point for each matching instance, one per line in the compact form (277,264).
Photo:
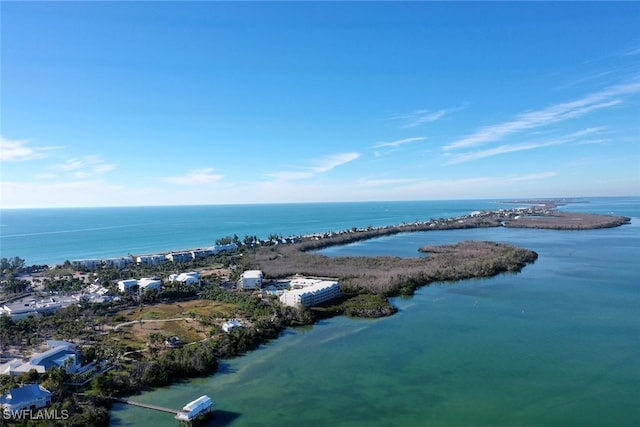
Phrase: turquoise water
(555,345)
(50,236)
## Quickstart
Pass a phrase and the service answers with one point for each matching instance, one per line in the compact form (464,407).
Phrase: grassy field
(196,319)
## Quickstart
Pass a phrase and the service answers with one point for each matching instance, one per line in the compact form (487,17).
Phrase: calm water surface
(555,345)
(50,236)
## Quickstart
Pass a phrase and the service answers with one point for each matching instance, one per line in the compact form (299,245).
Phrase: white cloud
(203,176)
(606,98)
(399,142)
(18,150)
(79,168)
(317,166)
(419,117)
(510,148)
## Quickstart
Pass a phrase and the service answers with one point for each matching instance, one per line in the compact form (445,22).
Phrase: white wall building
(146,284)
(91,264)
(151,259)
(303,282)
(314,294)
(190,278)
(128,286)
(179,256)
(221,248)
(251,279)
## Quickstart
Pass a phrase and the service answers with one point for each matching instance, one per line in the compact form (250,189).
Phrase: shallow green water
(556,345)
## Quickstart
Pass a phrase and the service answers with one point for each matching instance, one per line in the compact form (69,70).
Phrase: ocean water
(557,344)
(52,236)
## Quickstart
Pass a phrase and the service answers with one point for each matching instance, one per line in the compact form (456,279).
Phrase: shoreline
(522,217)
(363,296)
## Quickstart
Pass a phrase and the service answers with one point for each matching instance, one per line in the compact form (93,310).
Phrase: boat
(198,408)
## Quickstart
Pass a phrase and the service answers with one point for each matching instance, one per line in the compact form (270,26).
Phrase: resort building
(134,287)
(191,278)
(179,256)
(151,259)
(221,248)
(313,294)
(121,262)
(302,282)
(251,279)
(200,253)
(32,396)
(128,287)
(90,264)
(146,284)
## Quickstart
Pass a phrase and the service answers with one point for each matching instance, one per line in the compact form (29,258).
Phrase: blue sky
(162,103)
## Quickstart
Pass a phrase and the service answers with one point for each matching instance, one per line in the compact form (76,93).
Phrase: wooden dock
(145,405)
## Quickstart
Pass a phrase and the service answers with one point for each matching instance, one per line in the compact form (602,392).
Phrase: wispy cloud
(419,117)
(317,166)
(203,176)
(19,150)
(606,98)
(632,51)
(510,148)
(79,168)
(399,142)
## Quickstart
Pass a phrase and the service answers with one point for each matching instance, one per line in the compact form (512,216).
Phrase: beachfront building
(120,262)
(151,259)
(190,278)
(251,279)
(222,248)
(312,294)
(146,284)
(90,264)
(179,256)
(128,286)
(201,253)
(31,396)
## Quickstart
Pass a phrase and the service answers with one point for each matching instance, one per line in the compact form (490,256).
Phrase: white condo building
(251,279)
(147,284)
(313,294)
(191,278)
(128,286)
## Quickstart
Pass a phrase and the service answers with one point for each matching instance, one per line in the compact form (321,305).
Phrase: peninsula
(134,342)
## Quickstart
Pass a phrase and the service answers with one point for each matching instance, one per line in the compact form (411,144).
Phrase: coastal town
(78,335)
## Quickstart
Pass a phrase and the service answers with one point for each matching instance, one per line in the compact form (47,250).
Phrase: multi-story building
(147,284)
(251,279)
(151,259)
(313,294)
(128,286)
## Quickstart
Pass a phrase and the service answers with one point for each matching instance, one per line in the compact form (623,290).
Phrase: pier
(146,405)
